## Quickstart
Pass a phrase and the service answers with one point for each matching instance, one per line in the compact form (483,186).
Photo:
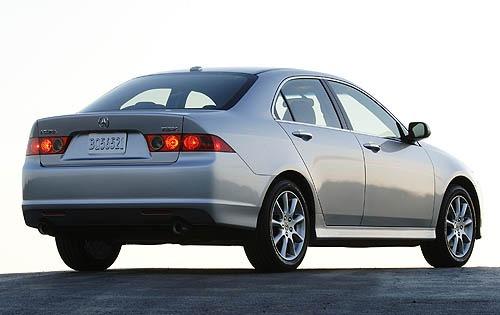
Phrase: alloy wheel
(288,225)
(459,227)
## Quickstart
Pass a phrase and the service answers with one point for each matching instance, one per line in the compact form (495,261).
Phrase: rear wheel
(455,231)
(87,255)
(282,233)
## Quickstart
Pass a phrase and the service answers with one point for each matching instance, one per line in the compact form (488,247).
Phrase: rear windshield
(211,90)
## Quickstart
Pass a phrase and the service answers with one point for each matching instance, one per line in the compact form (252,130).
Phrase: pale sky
(429,61)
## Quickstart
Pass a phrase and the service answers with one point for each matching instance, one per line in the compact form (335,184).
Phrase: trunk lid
(109,138)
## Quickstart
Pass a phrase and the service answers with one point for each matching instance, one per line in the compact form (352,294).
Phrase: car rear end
(139,164)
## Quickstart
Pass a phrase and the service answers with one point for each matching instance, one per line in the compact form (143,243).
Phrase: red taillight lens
(206,143)
(47,145)
(33,147)
(220,146)
(187,143)
(191,143)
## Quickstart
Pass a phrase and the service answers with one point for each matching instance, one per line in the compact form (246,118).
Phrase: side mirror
(418,131)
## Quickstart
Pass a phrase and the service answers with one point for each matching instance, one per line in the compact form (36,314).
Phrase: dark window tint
(211,90)
(306,101)
(365,115)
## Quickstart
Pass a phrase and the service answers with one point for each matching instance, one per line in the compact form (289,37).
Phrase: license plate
(107,143)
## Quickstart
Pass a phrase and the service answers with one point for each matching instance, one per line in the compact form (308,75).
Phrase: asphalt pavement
(242,291)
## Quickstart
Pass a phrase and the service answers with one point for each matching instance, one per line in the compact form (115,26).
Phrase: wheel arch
(305,187)
(471,189)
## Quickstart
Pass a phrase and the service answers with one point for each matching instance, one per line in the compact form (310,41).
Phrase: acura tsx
(274,160)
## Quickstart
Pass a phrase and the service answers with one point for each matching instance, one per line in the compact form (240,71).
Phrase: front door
(399,176)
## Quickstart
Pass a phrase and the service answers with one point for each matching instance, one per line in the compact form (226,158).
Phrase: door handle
(306,136)
(372,146)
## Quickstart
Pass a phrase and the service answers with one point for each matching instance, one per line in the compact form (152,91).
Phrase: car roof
(258,71)
(248,70)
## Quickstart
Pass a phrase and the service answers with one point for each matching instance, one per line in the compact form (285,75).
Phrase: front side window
(365,115)
(209,90)
(306,101)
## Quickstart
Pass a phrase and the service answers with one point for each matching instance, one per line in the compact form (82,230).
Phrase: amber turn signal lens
(172,143)
(45,146)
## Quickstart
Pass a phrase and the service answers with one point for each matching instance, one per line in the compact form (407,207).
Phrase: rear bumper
(61,218)
(137,226)
(199,189)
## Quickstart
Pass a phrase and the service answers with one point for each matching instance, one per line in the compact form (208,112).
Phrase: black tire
(260,250)
(87,255)
(437,252)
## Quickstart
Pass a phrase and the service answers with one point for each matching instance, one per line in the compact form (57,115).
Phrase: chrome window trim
(311,125)
(373,99)
(277,92)
(334,128)
(295,77)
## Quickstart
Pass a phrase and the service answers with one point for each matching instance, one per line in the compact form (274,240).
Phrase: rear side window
(306,101)
(210,90)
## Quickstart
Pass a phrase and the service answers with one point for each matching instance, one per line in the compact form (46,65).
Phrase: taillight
(47,145)
(206,143)
(163,143)
(187,143)
(191,142)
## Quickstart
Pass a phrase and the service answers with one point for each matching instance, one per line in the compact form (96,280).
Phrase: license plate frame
(107,143)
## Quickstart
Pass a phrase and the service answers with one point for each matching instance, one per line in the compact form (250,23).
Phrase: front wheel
(282,234)
(455,231)
(87,255)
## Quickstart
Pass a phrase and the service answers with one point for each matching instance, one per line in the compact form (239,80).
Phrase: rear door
(399,175)
(115,138)
(331,154)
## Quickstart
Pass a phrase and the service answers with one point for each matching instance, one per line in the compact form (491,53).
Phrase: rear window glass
(212,90)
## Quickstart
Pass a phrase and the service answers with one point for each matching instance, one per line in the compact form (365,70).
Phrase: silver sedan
(274,160)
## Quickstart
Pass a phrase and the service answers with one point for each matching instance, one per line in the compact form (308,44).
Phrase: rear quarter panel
(250,129)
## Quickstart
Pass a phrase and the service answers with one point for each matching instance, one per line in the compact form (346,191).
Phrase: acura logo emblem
(103,122)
